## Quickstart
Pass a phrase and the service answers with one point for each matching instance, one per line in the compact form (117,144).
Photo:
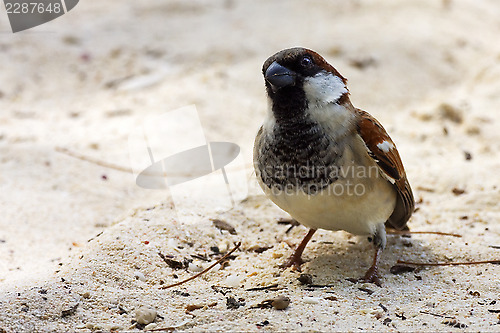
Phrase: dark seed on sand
(305,279)
(398,269)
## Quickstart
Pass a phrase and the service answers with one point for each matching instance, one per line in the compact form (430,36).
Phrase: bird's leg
(371,275)
(296,259)
(379,241)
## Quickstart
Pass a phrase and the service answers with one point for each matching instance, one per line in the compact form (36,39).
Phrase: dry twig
(205,270)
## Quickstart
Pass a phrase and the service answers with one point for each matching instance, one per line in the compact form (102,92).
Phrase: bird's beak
(279,76)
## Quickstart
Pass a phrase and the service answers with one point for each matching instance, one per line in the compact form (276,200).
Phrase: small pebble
(192,307)
(277,255)
(281,302)
(139,276)
(311,300)
(233,281)
(172,243)
(150,326)
(115,328)
(223,246)
(194,268)
(93,327)
(145,315)
(220,209)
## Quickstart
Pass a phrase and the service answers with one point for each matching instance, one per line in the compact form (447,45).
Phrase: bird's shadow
(339,258)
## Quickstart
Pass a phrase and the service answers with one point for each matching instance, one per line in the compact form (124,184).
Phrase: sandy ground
(80,242)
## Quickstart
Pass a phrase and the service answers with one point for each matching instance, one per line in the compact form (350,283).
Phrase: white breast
(359,201)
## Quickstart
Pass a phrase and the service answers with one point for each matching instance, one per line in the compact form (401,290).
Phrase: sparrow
(328,164)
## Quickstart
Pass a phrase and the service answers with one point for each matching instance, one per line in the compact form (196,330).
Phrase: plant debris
(266,304)
(223,225)
(222,289)
(400,316)
(481,262)
(174,264)
(192,307)
(259,249)
(436,315)
(454,323)
(366,290)
(312,287)
(292,222)
(233,303)
(200,257)
(269,287)
(399,269)
(181,293)
(69,311)
(285,221)
(205,270)
(387,321)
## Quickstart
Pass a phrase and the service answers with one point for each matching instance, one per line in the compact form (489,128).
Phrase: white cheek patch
(324,88)
(385,146)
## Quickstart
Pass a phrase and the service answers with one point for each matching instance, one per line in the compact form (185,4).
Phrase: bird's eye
(306,61)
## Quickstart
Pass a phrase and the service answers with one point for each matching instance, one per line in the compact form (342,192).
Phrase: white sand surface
(80,242)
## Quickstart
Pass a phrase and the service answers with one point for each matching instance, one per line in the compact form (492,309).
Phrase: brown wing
(383,150)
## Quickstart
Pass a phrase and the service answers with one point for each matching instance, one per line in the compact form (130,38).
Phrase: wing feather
(383,150)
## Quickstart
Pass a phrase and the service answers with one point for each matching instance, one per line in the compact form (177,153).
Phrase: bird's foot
(294,261)
(371,276)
